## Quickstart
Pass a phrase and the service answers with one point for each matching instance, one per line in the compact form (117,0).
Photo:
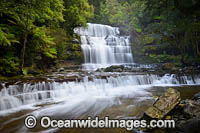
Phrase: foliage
(7,38)
(76,13)
(172,25)
(44,42)
(9,65)
(38,32)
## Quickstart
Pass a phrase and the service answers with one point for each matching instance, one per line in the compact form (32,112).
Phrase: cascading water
(87,93)
(103,46)
(114,95)
(16,96)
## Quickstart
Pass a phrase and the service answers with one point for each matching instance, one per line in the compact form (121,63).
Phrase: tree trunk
(24,50)
(25,38)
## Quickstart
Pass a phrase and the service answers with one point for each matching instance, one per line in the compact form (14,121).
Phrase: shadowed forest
(37,35)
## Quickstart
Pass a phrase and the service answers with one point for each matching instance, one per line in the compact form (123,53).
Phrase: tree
(76,14)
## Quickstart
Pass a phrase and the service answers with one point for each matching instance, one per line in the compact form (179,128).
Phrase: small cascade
(15,96)
(103,46)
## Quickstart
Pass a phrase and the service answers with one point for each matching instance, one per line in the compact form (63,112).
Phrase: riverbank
(169,106)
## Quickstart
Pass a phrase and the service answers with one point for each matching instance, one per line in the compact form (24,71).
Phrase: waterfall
(103,46)
(20,95)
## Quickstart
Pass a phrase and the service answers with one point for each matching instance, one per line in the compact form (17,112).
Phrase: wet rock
(191,107)
(118,70)
(1,86)
(72,67)
(61,70)
(76,41)
(186,116)
(100,70)
(164,104)
(68,79)
(135,69)
(114,69)
(167,66)
(33,72)
(196,96)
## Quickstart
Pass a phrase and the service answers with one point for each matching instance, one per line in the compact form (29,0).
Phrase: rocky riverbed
(78,94)
(169,106)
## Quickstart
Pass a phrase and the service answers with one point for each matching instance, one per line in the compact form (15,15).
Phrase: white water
(103,46)
(82,96)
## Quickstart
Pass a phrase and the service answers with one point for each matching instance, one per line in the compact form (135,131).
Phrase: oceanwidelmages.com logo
(48,122)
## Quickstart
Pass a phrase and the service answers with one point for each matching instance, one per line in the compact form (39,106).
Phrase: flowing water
(77,95)
(117,96)
(103,46)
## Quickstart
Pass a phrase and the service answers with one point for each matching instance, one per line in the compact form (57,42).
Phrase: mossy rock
(164,104)
(114,69)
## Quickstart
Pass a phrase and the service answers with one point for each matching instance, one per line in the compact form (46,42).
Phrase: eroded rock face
(164,104)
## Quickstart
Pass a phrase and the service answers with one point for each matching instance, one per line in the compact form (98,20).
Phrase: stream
(77,95)
(117,95)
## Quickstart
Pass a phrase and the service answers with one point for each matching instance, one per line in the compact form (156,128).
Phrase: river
(77,95)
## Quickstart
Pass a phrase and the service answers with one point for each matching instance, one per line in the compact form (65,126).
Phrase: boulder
(191,107)
(185,113)
(100,70)
(187,116)
(118,70)
(114,69)
(196,96)
(167,66)
(164,104)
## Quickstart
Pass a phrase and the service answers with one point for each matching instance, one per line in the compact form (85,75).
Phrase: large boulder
(185,113)
(164,104)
